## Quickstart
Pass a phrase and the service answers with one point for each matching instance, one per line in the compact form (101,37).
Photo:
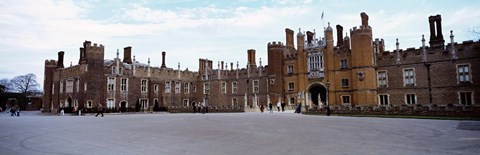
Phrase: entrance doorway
(123,106)
(318,94)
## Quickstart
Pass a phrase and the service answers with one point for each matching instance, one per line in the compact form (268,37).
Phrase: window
(410,99)
(382,78)
(291,86)
(255,86)
(53,88)
(383,99)
(234,88)
(346,99)
(167,87)
(234,102)
(123,85)
(78,85)
(110,104)
(409,76)
(463,72)
(224,87)
(61,86)
(89,104)
(343,64)
(85,86)
(290,69)
(143,86)
(466,98)
(144,103)
(315,62)
(185,102)
(111,84)
(114,70)
(155,88)
(345,83)
(206,88)
(186,87)
(194,89)
(177,87)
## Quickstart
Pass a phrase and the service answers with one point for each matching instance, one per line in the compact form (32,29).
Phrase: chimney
(251,57)
(339,35)
(60,59)
(289,37)
(163,60)
(309,37)
(364,19)
(127,55)
(231,66)
(222,64)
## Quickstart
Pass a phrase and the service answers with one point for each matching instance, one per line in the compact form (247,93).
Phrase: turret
(300,40)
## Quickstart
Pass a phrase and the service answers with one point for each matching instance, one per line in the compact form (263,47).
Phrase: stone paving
(233,133)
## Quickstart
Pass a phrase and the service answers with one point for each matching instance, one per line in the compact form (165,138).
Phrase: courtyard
(233,133)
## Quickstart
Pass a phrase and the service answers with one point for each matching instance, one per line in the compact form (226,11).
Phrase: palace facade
(357,71)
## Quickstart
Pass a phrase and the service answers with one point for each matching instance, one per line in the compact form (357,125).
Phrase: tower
(363,80)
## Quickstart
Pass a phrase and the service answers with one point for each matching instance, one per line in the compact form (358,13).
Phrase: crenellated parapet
(416,55)
(73,71)
(50,63)
(275,44)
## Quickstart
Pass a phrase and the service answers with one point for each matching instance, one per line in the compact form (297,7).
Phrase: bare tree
(25,83)
(475,31)
(5,85)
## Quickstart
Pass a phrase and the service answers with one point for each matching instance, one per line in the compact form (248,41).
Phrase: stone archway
(317,94)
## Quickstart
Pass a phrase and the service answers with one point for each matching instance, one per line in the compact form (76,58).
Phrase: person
(261,108)
(62,111)
(203,107)
(100,110)
(328,110)
(194,108)
(278,106)
(298,109)
(18,112)
(12,111)
(1,109)
(283,106)
(270,107)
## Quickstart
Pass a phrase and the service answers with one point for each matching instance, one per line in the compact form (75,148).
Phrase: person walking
(62,111)
(203,107)
(278,106)
(12,111)
(194,108)
(270,107)
(283,106)
(261,108)
(100,110)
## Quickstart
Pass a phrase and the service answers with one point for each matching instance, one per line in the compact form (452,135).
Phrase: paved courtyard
(233,133)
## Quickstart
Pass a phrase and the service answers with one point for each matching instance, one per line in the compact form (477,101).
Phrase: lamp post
(328,105)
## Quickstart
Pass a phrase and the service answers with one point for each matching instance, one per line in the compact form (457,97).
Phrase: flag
(322,15)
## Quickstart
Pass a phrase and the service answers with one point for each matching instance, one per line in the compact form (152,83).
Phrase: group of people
(14,111)
(270,107)
(200,108)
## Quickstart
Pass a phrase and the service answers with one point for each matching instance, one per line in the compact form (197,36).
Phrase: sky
(219,30)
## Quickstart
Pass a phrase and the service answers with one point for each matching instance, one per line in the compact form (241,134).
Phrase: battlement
(89,44)
(464,50)
(275,44)
(73,71)
(360,30)
(50,63)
